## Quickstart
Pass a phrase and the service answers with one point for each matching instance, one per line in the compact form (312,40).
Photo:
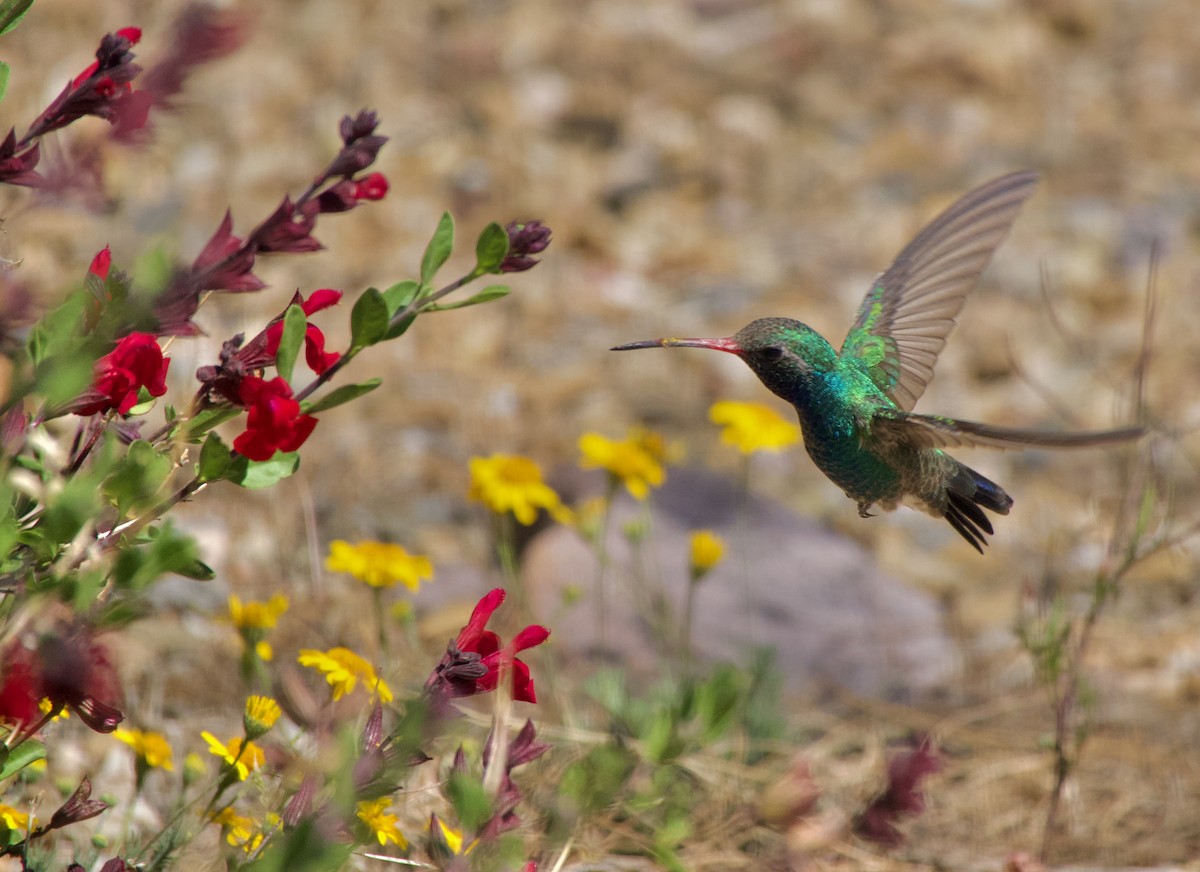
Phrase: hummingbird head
(783,353)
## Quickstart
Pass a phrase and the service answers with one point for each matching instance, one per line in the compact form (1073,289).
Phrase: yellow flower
(153,748)
(452,837)
(263,650)
(374,814)
(379,564)
(45,706)
(13,820)
(256,615)
(242,830)
(343,669)
(261,714)
(707,550)
(233,754)
(632,461)
(751,427)
(509,483)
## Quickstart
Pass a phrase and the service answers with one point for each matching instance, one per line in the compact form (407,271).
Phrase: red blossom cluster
(274,422)
(474,662)
(70,669)
(137,362)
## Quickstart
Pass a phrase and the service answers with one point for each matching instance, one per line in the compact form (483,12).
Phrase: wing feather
(934,431)
(913,305)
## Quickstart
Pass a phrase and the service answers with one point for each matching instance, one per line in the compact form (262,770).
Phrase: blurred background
(703,164)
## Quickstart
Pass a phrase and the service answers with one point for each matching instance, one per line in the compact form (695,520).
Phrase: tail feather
(966,493)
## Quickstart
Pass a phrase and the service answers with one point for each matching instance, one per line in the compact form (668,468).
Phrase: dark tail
(966,493)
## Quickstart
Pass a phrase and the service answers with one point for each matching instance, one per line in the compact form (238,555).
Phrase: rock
(786,583)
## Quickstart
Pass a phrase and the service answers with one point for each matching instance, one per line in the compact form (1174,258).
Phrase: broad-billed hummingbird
(855,405)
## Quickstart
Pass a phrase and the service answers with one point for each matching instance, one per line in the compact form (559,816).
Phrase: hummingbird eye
(771,352)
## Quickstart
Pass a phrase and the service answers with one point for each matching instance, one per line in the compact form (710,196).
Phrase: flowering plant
(94,458)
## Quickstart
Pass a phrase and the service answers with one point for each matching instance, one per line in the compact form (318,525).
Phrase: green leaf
(258,474)
(491,292)
(295,325)
(437,252)
(491,249)
(29,751)
(152,270)
(215,459)
(4,70)
(204,421)
(158,551)
(343,394)
(594,781)
(134,483)
(400,295)
(469,799)
(368,319)
(11,13)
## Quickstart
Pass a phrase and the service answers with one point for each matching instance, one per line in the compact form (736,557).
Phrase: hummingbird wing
(903,322)
(935,431)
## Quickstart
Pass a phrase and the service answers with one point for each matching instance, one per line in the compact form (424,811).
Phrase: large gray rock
(814,596)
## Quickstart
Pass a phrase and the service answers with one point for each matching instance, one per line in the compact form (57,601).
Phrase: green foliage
(340,395)
(368,320)
(295,324)
(491,249)
(11,13)
(13,760)
(258,474)
(468,799)
(438,251)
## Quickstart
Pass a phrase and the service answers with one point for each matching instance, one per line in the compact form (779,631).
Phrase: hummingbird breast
(835,415)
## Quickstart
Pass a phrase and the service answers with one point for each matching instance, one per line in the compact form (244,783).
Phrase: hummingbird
(856,404)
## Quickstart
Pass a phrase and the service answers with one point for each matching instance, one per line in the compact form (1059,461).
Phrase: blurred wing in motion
(903,322)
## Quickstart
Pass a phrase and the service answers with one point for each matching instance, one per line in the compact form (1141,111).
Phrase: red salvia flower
(315,355)
(372,187)
(523,241)
(76,673)
(101,263)
(17,167)
(274,422)
(20,686)
(137,362)
(902,796)
(475,660)
(99,90)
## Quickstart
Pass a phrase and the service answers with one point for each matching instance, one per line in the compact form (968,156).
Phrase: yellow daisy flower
(256,615)
(261,714)
(752,427)
(373,813)
(14,820)
(379,564)
(343,669)
(628,461)
(151,748)
(233,754)
(244,831)
(510,483)
(707,550)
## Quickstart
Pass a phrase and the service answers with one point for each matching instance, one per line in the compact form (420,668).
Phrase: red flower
(71,669)
(903,794)
(372,187)
(274,423)
(315,354)
(99,90)
(137,362)
(473,662)
(101,263)
(76,673)
(19,690)
(524,240)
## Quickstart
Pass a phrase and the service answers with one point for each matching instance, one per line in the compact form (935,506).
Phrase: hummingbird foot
(863,510)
